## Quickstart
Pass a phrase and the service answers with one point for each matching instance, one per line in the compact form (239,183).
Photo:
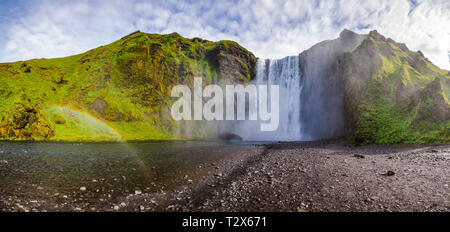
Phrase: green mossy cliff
(394,95)
(122,91)
(117,91)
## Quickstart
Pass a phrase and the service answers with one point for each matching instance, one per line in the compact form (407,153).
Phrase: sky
(270,29)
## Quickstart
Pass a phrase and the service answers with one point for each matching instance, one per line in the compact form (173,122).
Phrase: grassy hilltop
(122,90)
(117,91)
(394,95)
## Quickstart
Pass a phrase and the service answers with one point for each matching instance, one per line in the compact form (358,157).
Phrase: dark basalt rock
(323,88)
(433,107)
(232,61)
(377,36)
(99,105)
(28,122)
(230,137)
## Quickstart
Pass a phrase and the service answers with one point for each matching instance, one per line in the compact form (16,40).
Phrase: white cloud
(271,29)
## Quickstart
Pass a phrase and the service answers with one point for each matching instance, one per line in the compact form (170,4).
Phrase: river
(93,172)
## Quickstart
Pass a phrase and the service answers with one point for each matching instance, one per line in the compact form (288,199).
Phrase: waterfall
(311,93)
(285,73)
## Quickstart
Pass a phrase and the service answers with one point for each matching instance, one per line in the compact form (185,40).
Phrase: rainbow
(92,119)
(98,122)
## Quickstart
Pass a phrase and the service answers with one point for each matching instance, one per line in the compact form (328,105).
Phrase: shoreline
(307,177)
(301,176)
(249,142)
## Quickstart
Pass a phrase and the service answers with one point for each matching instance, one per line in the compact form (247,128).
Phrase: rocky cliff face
(322,104)
(124,85)
(432,104)
(366,87)
(393,95)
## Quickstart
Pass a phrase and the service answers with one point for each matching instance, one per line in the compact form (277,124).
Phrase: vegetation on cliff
(121,91)
(394,95)
(117,91)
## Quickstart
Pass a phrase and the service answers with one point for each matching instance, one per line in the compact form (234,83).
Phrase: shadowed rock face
(26,124)
(433,106)
(99,106)
(311,94)
(367,87)
(322,108)
(232,62)
(393,95)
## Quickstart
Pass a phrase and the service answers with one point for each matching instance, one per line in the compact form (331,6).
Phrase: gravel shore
(318,176)
(298,177)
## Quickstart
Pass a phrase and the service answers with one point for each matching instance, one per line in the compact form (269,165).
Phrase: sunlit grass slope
(394,95)
(117,91)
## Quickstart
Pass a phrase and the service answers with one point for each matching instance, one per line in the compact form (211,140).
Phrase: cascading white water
(285,73)
(311,93)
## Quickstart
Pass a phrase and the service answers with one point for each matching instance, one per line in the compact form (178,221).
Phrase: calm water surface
(53,170)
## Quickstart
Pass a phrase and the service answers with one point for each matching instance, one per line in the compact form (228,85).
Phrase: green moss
(133,75)
(376,109)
